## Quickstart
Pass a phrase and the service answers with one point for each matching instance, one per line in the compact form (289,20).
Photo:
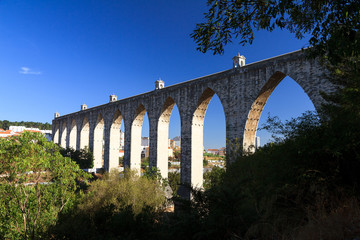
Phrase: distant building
(222,151)
(257,142)
(17,130)
(122,140)
(145,141)
(177,141)
(121,153)
(170,152)
(213,151)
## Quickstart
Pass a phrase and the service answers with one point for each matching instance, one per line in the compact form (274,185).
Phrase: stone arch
(135,142)
(56,134)
(73,134)
(63,135)
(163,136)
(115,136)
(84,133)
(99,142)
(258,106)
(197,133)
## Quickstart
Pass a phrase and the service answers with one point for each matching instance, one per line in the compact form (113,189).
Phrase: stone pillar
(127,142)
(68,130)
(185,158)
(85,135)
(63,133)
(55,130)
(98,143)
(135,147)
(91,137)
(153,145)
(73,135)
(78,139)
(107,147)
(112,145)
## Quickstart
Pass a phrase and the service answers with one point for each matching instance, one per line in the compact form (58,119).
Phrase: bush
(83,157)
(174,181)
(115,207)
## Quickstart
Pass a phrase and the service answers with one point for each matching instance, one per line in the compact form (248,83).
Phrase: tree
(326,21)
(36,184)
(83,157)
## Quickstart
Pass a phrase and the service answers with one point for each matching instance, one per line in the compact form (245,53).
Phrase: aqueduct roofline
(220,74)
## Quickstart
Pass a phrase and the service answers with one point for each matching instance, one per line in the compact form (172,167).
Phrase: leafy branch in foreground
(36,184)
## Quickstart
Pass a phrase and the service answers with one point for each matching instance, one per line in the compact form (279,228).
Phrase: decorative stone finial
(56,115)
(238,61)
(83,107)
(159,84)
(113,98)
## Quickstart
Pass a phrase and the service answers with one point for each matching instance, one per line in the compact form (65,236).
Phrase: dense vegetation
(83,157)
(36,184)
(5,124)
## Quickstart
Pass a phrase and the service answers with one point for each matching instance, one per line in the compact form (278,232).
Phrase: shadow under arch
(163,136)
(197,137)
(84,133)
(135,142)
(115,136)
(257,108)
(73,134)
(63,135)
(98,142)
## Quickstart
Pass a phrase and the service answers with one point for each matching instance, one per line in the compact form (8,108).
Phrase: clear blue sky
(56,55)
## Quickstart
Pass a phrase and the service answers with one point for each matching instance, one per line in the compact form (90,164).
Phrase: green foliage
(145,163)
(5,124)
(121,161)
(205,162)
(286,187)
(36,184)
(325,21)
(174,181)
(84,157)
(214,177)
(116,207)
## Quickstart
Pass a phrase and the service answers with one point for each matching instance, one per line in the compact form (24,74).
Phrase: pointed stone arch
(135,142)
(258,105)
(73,134)
(84,133)
(197,137)
(99,141)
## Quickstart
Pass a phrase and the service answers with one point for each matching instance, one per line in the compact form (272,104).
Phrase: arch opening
(197,137)
(168,148)
(73,135)
(214,139)
(98,147)
(290,100)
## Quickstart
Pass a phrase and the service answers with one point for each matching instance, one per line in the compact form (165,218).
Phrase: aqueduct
(242,90)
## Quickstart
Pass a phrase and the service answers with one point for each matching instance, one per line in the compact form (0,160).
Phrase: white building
(257,142)
(177,141)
